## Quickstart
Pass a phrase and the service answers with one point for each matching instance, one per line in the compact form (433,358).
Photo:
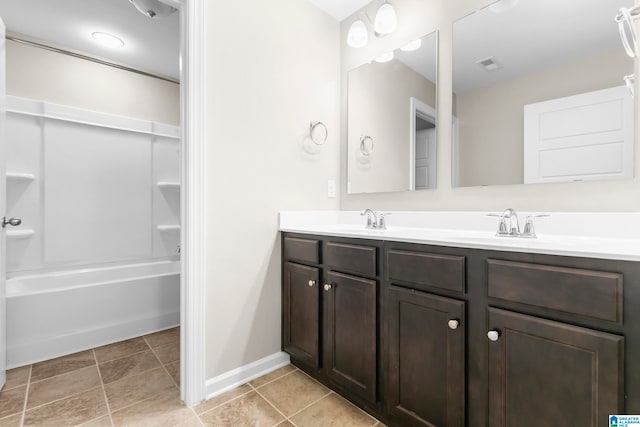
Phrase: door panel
(301,302)
(549,373)
(350,333)
(423,349)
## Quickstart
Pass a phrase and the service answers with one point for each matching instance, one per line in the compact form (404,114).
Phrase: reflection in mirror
(392,120)
(539,94)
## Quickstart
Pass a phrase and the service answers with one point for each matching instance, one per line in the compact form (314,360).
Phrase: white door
(3,207)
(425,159)
(578,138)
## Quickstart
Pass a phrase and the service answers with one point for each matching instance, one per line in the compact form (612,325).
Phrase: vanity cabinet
(426,335)
(552,372)
(301,313)
(330,312)
(350,333)
(555,372)
(425,373)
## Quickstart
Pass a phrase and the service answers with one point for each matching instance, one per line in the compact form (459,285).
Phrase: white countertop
(592,235)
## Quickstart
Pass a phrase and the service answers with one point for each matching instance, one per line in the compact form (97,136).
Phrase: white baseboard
(236,377)
(41,348)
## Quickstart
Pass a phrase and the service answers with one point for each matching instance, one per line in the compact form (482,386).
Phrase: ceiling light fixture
(108,40)
(154,9)
(386,20)
(384,23)
(411,46)
(358,35)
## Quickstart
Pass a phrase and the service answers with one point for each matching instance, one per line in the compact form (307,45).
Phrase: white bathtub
(58,313)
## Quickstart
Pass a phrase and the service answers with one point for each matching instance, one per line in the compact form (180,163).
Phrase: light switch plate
(331,189)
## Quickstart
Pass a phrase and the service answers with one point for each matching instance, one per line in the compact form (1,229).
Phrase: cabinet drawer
(586,293)
(425,270)
(306,250)
(351,258)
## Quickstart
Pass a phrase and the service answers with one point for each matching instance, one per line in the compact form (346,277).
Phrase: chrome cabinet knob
(453,324)
(327,286)
(312,283)
(14,222)
(493,335)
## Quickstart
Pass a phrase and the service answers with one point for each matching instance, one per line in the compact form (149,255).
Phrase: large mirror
(539,94)
(392,119)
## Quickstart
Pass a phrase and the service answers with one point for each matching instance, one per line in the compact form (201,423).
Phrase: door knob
(327,286)
(493,335)
(311,283)
(14,222)
(453,324)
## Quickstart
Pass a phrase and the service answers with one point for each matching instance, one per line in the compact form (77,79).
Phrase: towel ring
(624,18)
(363,145)
(318,133)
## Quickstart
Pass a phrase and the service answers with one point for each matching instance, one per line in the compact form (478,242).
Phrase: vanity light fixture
(108,40)
(385,57)
(385,22)
(154,9)
(358,35)
(411,46)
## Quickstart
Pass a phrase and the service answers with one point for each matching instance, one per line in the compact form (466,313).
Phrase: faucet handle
(382,223)
(529,230)
(502,228)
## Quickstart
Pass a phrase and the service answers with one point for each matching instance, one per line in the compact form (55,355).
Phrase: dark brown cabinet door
(544,373)
(350,338)
(301,305)
(424,372)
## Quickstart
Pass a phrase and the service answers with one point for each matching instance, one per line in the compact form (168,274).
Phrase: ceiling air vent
(489,64)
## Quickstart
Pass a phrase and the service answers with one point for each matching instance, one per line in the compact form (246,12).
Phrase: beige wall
(379,107)
(492,118)
(273,67)
(61,79)
(417,18)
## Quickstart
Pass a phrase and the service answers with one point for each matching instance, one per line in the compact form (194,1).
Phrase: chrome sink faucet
(509,226)
(375,220)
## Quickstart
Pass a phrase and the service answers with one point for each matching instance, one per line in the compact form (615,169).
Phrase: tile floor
(136,383)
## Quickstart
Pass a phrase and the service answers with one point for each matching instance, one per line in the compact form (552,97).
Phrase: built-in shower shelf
(20,234)
(169,185)
(16,176)
(168,228)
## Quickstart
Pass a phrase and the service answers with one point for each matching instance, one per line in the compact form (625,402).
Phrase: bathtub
(58,313)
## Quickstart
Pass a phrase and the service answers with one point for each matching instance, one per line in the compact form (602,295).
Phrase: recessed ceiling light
(108,40)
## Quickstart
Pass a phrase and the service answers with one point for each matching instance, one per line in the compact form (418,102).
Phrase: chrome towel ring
(624,18)
(366,145)
(318,133)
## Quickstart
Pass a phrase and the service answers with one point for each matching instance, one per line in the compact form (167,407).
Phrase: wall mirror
(392,120)
(539,94)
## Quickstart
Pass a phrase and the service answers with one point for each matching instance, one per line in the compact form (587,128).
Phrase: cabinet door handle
(493,335)
(453,324)
(312,283)
(327,287)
